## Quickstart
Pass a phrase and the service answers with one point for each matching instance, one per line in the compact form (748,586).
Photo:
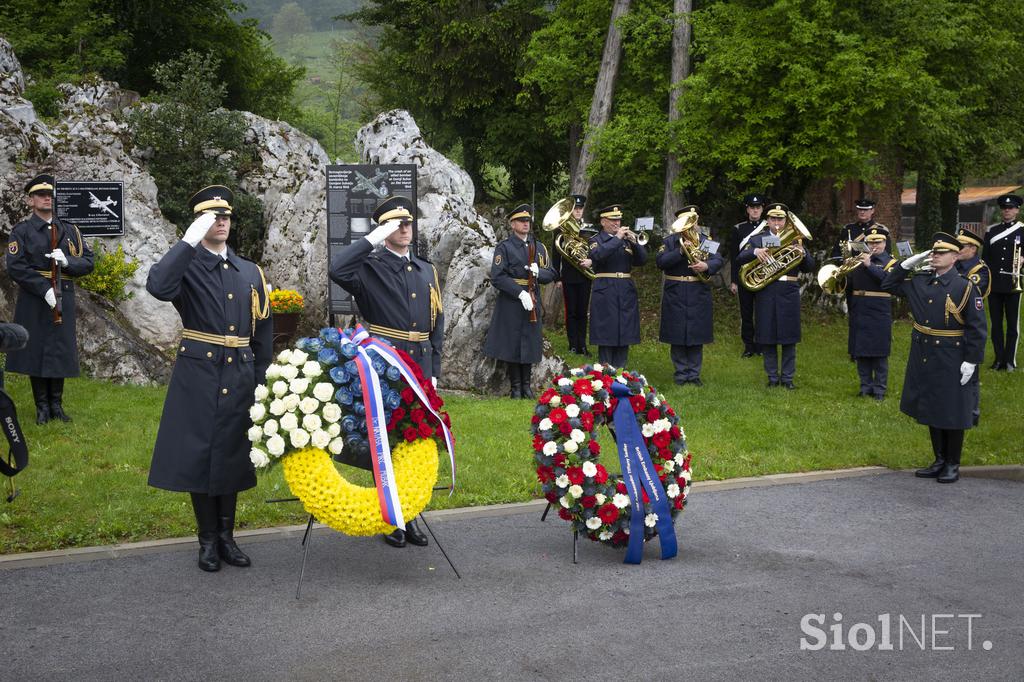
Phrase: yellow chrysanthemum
(353,509)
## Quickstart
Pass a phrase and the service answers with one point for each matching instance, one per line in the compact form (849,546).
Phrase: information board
(97,208)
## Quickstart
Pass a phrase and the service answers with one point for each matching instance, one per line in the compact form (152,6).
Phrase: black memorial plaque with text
(97,208)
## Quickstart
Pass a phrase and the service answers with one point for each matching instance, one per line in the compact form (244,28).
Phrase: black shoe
(772,384)
(996,366)
(788,385)
(1008,367)
(950,473)
(585,352)
(680,382)
(932,470)
(209,560)
(696,382)
(55,390)
(413,534)
(525,377)
(396,538)
(226,547)
(879,397)
(747,354)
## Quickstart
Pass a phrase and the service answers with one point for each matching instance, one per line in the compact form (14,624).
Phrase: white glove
(966,371)
(915,260)
(433,382)
(532,267)
(51,298)
(58,256)
(198,229)
(524,298)
(383,231)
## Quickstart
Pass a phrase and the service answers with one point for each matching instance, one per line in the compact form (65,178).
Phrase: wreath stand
(575,535)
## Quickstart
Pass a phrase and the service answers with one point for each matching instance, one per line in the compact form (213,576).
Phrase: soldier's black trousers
(947,444)
(687,361)
(1005,346)
(577,303)
(771,362)
(746,318)
(616,356)
(874,375)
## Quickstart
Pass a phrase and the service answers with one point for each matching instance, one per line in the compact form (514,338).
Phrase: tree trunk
(604,89)
(673,198)
(929,214)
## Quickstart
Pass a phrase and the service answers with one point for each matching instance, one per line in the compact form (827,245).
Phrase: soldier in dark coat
(575,286)
(947,344)
(777,305)
(1001,241)
(614,305)
(754,205)
(226,346)
(969,263)
(399,297)
(855,231)
(686,307)
(52,352)
(870,339)
(514,336)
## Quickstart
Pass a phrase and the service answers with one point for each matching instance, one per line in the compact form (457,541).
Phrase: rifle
(530,279)
(55,276)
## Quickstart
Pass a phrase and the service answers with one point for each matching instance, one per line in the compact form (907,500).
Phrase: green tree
(289,21)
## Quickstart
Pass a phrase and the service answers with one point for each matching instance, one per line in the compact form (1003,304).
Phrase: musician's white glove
(58,256)
(532,267)
(198,229)
(383,231)
(433,382)
(51,298)
(915,260)
(524,298)
(966,371)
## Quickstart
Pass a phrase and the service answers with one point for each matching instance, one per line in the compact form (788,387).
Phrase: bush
(111,274)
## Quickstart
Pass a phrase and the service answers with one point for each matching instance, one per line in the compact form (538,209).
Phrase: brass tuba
(756,275)
(689,240)
(568,241)
(832,277)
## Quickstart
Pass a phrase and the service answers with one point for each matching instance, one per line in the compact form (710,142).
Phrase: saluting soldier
(754,206)
(777,305)
(226,346)
(686,307)
(1002,240)
(870,315)
(52,352)
(575,287)
(399,297)
(614,305)
(969,263)
(514,336)
(855,231)
(947,343)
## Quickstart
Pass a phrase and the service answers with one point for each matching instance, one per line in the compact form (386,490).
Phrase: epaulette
(974,275)
(890,265)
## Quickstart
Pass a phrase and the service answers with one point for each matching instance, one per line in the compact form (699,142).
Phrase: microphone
(12,337)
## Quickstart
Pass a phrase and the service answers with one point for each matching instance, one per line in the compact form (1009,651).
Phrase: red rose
(587,420)
(670,412)
(658,469)
(582,387)
(545,473)
(594,447)
(565,428)
(569,399)
(619,538)
(558,415)
(662,439)
(417,415)
(599,408)
(410,434)
(679,502)
(546,396)
(559,459)
(686,462)
(407,395)
(588,501)
(538,443)
(575,475)
(425,430)
(637,402)
(608,513)
(435,402)
(665,453)
(675,432)
(565,514)
(620,487)
(602,474)
(681,482)
(551,497)
(653,414)
(446,419)
(535,419)
(398,414)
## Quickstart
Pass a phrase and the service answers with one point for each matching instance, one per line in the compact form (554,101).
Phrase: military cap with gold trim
(876,233)
(943,242)
(393,208)
(214,199)
(612,212)
(687,209)
(40,183)
(1010,201)
(579,200)
(777,210)
(967,236)
(521,212)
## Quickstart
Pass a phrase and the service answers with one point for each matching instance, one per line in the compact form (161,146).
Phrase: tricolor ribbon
(638,474)
(376,425)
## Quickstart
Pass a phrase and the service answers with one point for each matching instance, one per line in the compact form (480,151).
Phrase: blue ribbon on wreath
(638,473)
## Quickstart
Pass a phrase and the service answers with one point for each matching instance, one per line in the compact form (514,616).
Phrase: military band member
(399,297)
(855,231)
(969,263)
(1004,301)
(614,305)
(686,307)
(777,305)
(940,388)
(226,345)
(575,288)
(754,205)
(52,352)
(514,336)
(870,315)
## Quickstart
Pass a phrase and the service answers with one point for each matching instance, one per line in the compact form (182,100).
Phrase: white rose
(562,481)
(336,446)
(647,430)
(280,388)
(570,446)
(598,367)
(320,439)
(650,520)
(298,386)
(621,501)
(545,424)
(672,490)
(312,369)
(687,476)
(255,433)
(605,535)
(275,446)
(589,469)
(333,430)
(309,405)
(258,458)
(257,412)
(273,372)
(261,393)
(680,458)
(564,382)
(662,424)
(572,411)
(289,372)
(277,408)
(669,465)
(299,438)
(576,490)
(597,385)
(593,523)
(323,392)
(550,448)
(555,401)
(587,399)
(284,356)
(291,402)
(289,422)
(298,358)
(601,498)
(332,412)
(311,422)
(565,501)
(270,428)
(577,435)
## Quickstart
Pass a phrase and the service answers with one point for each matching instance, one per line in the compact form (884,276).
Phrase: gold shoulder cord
(975,276)
(76,252)
(954,309)
(260,311)
(435,300)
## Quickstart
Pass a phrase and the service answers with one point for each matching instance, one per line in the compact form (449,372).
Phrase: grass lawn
(86,484)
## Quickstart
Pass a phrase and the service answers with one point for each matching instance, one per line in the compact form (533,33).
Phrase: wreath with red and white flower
(564,426)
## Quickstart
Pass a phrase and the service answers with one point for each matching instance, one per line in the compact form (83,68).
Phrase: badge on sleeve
(978,304)
(497,259)
(12,248)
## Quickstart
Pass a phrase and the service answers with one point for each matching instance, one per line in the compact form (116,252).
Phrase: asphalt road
(753,563)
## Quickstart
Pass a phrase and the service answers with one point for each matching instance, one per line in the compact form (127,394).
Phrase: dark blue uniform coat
(397,294)
(870,315)
(511,336)
(686,309)
(932,393)
(52,349)
(202,445)
(777,306)
(614,307)
(977,273)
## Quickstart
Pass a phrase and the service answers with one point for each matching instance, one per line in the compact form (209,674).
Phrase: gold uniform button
(230,296)
(230,360)
(209,354)
(183,347)
(231,327)
(414,294)
(224,391)
(413,324)
(225,266)
(409,268)
(929,300)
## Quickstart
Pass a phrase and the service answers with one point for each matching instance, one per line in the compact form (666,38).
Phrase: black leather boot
(56,393)
(41,398)
(525,375)
(515,381)
(396,538)
(954,446)
(413,534)
(206,521)
(226,547)
(935,468)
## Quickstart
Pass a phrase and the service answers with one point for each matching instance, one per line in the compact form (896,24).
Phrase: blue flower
(339,375)
(348,349)
(343,396)
(328,356)
(348,423)
(330,335)
(379,366)
(350,366)
(359,409)
(393,373)
(355,386)
(303,343)
(392,399)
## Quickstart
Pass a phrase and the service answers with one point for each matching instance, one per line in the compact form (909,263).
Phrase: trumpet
(637,238)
